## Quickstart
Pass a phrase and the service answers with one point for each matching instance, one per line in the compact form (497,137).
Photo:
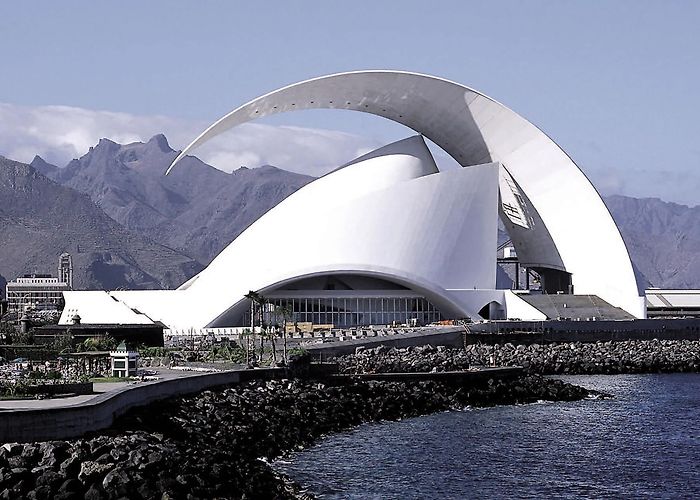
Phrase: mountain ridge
(40,219)
(196,209)
(663,239)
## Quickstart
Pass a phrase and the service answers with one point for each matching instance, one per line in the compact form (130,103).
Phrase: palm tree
(286,313)
(263,304)
(272,334)
(254,298)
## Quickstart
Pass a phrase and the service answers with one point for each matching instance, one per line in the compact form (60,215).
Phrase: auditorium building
(400,238)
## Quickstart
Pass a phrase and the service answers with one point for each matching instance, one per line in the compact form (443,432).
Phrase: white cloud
(61,133)
(304,150)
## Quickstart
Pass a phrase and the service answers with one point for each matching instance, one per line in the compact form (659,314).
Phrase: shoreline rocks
(634,356)
(217,443)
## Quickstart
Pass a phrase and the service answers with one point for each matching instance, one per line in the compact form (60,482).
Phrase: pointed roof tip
(414,145)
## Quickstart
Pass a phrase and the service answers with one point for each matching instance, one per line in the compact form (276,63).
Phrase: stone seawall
(217,443)
(641,356)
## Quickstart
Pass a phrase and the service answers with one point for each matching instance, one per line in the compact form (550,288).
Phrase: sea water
(644,443)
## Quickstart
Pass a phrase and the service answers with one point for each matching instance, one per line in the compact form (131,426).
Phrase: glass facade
(346,312)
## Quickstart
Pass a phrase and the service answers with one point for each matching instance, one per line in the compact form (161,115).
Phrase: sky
(614,83)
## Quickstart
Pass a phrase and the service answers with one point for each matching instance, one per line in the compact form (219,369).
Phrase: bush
(153,352)
(99,343)
(7,331)
(49,375)
(232,353)
(63,343)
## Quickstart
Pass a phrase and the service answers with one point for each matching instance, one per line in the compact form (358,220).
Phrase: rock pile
(215,444)
(635,356)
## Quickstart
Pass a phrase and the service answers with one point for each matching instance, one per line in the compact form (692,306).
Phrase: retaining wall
(447,336)
(455,377)
(544,332)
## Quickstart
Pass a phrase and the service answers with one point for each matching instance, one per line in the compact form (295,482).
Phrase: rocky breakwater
(218,443)
(635,356)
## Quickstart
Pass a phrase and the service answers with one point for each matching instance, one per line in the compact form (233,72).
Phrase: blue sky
(615,83)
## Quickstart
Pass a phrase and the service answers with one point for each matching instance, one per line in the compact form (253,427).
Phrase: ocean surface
(645,443)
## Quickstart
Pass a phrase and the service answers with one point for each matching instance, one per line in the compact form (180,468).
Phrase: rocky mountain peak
(107,144)
(161,142)
(99,153)
(42,166)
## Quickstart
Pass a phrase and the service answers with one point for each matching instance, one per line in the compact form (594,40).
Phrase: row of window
(38,300)
(359,311)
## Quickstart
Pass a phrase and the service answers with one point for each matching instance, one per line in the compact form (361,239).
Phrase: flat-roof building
(39,292)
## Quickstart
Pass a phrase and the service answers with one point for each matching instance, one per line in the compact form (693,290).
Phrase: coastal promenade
(64,418)
(434,355)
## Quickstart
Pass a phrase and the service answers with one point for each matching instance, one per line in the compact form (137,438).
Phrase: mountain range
(196,209)
(663,239)
(40,219)
(148,230)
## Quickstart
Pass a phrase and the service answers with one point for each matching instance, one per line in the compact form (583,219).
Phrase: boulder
(93,471)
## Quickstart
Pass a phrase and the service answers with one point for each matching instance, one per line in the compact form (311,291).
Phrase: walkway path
(99,388)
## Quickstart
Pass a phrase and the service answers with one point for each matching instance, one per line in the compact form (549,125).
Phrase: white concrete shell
(557,219)
(389,214)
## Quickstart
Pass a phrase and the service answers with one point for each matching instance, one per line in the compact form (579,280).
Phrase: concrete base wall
(454,377)
(540,332)
(447,336)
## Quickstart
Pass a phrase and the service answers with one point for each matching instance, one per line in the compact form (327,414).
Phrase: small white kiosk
(124,361)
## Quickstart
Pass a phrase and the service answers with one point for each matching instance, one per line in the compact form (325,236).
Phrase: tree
(253,297)
(7,332)
(99,343)
(257,300)
(286,313)
(264,311)
(63,342)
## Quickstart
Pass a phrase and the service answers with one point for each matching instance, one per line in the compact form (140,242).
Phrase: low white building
(39,292)
(124,362)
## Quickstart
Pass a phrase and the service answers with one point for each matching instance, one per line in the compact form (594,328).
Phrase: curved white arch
(387,215)
(574,230)
(447,305)
(390,214)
